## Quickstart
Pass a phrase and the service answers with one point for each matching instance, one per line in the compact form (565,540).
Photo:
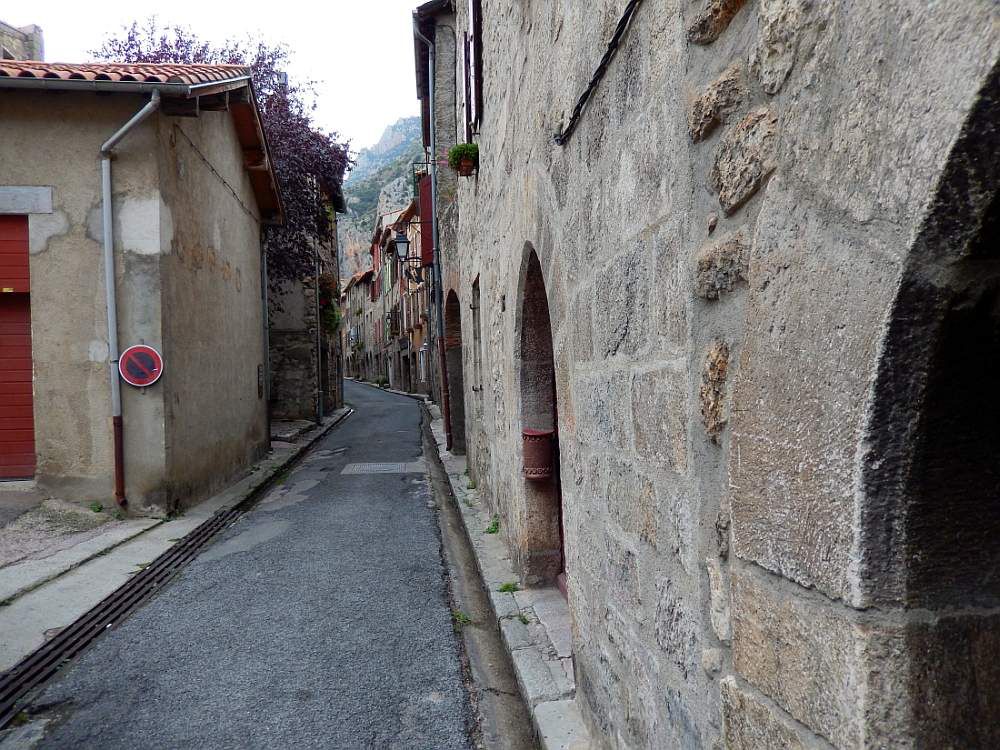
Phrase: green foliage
(459,619)
(362,194)
(329,308)
(509,588)
(330,318)
(494,526)
(524,620)
(96,506)
(463,151)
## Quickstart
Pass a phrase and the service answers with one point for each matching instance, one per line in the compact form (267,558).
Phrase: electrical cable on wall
(623,24)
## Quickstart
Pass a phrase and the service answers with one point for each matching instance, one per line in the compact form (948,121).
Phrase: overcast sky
(360,51)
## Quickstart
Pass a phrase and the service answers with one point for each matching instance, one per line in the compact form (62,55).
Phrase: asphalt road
(319,620)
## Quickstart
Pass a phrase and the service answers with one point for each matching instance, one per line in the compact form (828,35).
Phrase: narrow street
(320,619)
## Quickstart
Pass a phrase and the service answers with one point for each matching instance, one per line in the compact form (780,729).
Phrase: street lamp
(411,265)
(402,246)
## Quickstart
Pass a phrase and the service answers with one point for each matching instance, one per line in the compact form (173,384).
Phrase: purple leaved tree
(309,162)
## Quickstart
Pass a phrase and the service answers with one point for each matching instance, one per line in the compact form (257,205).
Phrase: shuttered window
(474,66)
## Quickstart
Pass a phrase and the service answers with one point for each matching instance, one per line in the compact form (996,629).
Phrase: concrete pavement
(319,619)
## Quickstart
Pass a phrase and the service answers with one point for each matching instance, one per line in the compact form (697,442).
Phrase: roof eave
(270,203)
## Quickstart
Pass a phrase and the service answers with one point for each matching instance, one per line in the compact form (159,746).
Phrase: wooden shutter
(426,222)
(467,87)
(474,63)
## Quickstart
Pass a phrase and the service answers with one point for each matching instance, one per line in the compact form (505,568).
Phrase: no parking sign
(140,365)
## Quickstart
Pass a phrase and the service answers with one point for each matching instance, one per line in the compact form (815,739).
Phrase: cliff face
(381,181)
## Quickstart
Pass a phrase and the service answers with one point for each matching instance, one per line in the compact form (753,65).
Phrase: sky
(360,52)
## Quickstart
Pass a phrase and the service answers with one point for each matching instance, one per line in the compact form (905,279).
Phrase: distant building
(306,363)
(400,299)
(357,309)
(191,185)
(25,43)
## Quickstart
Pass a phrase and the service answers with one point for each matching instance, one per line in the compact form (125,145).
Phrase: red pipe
(445,400)
(119,441)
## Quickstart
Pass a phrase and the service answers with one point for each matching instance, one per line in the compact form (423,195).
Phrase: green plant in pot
(464,158)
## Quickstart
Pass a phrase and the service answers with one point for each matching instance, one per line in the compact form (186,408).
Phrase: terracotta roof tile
(166,73)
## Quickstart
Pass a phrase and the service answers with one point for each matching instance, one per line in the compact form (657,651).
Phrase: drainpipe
(266,324)
(438,297)
(107,217)
(319,342)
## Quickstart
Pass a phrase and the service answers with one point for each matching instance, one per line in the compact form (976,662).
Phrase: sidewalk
(58,560)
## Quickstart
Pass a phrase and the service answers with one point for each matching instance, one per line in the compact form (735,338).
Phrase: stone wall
(24,43)
(734,245)
(295,390)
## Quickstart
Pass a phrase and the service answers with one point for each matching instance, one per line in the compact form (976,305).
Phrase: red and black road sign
(140,365)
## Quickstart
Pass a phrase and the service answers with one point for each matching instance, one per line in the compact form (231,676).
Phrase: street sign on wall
(140,365)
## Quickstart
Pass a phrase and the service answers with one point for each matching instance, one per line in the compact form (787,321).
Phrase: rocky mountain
(382,180)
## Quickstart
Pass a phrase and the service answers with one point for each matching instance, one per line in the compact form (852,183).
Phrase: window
(474,69)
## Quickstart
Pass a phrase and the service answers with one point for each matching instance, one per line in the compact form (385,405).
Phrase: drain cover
(414,467)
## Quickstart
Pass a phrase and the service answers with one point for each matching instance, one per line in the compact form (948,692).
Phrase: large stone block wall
(295,390)
(724,241)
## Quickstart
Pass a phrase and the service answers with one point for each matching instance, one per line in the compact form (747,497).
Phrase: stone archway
(542,555)
(456,379)
(930,522)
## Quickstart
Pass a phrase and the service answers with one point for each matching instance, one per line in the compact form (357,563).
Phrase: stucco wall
(212,305)
(54,140)
(722,242)
(188,280)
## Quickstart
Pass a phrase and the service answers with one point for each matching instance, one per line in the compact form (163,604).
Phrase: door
(17,422)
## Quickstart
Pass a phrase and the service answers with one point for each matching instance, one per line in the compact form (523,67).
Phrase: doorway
(17,420)
(544,560)
(456,379)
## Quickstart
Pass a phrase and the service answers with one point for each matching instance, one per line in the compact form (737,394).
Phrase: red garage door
(17,424)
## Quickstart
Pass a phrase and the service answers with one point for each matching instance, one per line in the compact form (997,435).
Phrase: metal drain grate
(38,666)
(414,467)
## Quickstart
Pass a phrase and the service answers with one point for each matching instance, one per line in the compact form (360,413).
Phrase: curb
(544,677)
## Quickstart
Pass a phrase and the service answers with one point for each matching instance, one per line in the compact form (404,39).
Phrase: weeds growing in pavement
(459,620)
(96,506)
(494,526)
(509,588)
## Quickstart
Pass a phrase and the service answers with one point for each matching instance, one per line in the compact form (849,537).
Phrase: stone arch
(541,547)
(930,471)
(456,378)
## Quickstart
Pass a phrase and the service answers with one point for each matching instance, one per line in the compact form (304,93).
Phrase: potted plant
(464,158)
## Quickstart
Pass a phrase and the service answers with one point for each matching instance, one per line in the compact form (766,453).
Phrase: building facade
(306,359)
(747,289)
(24,43)
(357,337)
(189,196)
(387,308)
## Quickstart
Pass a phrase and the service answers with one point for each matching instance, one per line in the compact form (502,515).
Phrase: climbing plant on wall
(308,161)
(329,307)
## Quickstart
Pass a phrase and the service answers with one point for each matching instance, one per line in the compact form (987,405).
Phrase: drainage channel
(36,668)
